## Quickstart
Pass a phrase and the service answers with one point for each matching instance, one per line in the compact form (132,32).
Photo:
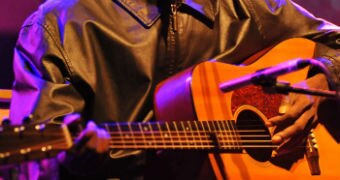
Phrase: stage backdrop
(13,13)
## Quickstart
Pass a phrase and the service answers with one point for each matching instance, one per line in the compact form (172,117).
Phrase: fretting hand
(92,137)
(99,139)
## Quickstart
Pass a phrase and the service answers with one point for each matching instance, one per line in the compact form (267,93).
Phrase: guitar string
(61,145)
(117,141)
(58,144)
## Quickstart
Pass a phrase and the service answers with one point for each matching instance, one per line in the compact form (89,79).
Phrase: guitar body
(195,94)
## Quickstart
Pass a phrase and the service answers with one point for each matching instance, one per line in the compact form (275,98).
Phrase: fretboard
(200,135)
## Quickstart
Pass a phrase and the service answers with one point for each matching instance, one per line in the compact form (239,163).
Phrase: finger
(296,110)
(297,127)
(85,136)
(91,132)
(290,145)
(272,121)
(91,128)
(285,105)
(102,141)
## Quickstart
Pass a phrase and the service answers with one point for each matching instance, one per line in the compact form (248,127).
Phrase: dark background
(14,12)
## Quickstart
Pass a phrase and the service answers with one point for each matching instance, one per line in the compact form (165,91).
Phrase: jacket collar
(147,12)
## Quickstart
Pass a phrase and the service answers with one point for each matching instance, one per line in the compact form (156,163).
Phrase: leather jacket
(104,58)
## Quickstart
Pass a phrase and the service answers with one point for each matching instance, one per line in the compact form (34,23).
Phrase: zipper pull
(174,16)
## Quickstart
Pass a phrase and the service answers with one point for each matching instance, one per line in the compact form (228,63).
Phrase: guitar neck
(197,135)
(46,140)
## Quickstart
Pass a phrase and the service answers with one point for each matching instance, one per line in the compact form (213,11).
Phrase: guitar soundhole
(254,135)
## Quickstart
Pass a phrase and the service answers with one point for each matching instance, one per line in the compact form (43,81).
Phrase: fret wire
(197,133)
(169,133)
(191,133)
(220,143)
(152,133)
(204,123)
(131,132)
(208,132)
(184,129)
(175,127)
(189,130)
(201,123)
(142,132)
(230,133)
(234,128)
(224,133)
(120,131)
(160,130)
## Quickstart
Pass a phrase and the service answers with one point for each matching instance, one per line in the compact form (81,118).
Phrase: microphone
(266,73)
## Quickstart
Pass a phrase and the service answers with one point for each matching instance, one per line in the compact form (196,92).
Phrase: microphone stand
(271,85)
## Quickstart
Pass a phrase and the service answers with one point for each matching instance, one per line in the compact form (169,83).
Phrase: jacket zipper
(174,17)
(172,38)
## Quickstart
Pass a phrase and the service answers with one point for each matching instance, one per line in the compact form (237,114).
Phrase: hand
(87,154)
(98,139)
(295,124)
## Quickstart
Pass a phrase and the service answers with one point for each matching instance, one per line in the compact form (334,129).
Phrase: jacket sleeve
(278,20)
(45,87)
(42,85)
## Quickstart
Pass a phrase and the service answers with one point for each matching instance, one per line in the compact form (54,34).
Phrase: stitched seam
(148,22)
(256,17)
(62,51)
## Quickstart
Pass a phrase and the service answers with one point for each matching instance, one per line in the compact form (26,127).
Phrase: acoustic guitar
(230,125)
(196,94)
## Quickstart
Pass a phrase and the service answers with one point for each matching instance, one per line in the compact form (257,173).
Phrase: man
(103,59)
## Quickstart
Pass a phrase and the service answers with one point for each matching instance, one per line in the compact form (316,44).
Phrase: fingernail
(91,125)
(277,139)
(274,154)
(268,123)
